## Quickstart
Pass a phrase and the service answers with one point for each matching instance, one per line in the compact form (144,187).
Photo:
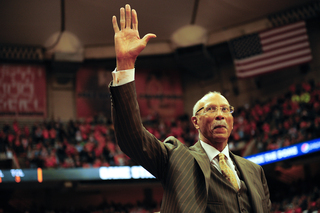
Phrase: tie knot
(221,156)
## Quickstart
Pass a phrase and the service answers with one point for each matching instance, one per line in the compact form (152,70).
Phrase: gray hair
(195,107)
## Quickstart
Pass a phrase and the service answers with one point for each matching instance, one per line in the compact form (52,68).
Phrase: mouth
(219,126)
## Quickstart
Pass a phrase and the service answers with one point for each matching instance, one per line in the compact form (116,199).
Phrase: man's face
(214,127)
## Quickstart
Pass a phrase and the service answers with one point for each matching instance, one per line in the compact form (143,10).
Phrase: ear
(194,120)
(232,122)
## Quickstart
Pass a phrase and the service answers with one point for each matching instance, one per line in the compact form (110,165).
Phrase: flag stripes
(279,48)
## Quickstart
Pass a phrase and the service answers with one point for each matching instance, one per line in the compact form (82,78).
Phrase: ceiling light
(189,35)
(64,46)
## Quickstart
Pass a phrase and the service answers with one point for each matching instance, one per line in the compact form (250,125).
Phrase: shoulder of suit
(172,143)
(171,140)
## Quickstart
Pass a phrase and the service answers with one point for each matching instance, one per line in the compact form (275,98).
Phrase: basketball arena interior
(58,151)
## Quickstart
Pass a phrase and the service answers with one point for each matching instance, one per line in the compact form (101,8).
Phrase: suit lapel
(203,161)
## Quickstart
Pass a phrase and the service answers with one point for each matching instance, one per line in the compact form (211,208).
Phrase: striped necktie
(227,172)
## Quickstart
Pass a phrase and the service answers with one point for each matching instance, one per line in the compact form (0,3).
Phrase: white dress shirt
(214,158)
(122,77)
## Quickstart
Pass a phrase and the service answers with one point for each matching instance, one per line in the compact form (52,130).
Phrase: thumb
(147,37)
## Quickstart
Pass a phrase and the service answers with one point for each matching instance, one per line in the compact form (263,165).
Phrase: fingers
(115,24)
(147,37)
(134,20)
(128,16)
(122,18)
(125,19)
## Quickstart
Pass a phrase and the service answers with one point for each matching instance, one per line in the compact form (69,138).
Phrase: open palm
(128,44)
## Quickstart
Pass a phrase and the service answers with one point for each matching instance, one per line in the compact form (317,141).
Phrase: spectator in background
(251,125)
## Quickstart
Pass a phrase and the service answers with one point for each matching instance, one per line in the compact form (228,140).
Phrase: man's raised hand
(128,44)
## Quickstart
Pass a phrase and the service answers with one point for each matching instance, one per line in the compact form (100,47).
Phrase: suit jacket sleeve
(133,139)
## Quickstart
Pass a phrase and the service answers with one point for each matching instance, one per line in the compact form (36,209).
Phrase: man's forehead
(214,99)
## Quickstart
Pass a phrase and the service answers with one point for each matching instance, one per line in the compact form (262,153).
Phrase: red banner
(22,90)
(92,94)
(159,93)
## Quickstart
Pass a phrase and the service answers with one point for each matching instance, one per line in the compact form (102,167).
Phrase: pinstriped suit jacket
(183,171)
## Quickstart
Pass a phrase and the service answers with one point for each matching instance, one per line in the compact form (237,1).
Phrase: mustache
(220,123)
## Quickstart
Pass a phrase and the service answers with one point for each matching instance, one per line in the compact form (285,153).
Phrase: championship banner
(92,93)
(159,93)
(22,90)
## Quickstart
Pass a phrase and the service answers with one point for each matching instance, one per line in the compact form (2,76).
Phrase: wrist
(125,64)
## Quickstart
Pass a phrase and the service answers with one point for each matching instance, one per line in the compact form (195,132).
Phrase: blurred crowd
(307,201)
(104,207)
(282,121)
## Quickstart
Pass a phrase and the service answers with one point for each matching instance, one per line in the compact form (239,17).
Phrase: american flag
(271,50)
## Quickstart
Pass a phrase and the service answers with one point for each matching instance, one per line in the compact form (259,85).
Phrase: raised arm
(133,139)
(128,44)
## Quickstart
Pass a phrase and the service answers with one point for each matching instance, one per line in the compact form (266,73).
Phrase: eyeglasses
(214,109)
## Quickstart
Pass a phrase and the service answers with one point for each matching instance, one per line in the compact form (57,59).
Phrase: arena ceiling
(32,22)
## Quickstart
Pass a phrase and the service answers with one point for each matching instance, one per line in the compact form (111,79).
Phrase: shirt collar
(213,152)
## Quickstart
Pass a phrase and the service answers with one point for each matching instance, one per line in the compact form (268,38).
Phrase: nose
(219,114)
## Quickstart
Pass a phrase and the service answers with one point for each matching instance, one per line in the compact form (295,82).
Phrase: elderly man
(205,177)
